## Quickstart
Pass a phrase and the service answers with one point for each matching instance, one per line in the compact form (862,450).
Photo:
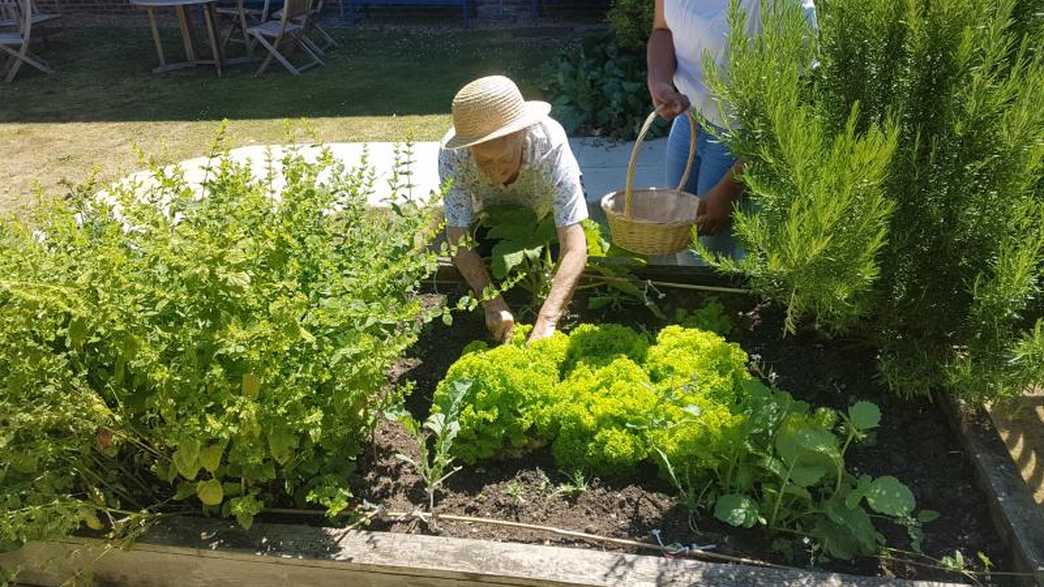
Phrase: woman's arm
(716,205)
(498,315)
(668,101)
(571,263)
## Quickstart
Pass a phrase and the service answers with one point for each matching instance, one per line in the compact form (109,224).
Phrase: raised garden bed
(913,443)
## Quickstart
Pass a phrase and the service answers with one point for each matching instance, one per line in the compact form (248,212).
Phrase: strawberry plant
(163,349)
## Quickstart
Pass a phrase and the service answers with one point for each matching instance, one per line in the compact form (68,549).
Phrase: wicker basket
(652,221)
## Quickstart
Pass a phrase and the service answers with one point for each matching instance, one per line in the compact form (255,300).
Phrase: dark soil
(913,444)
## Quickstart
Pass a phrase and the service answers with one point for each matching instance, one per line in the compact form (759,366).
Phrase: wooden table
(179,6)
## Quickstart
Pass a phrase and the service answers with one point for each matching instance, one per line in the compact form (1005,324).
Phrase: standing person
(683,30)
(504,150)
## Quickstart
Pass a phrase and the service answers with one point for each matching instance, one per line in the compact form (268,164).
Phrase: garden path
(603,163)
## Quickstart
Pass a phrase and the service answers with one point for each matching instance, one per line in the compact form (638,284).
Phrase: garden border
(201,552)
(1015,514)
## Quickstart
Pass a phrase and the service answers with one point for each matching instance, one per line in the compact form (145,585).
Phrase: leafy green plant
(522,256)
(162,349)
(508,386)
(575,485)
(710,316)
(433,464)
(899,183)
(598,88)
(608,401)
(631,21)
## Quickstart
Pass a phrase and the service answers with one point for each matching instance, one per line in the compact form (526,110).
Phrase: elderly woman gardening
(504,150)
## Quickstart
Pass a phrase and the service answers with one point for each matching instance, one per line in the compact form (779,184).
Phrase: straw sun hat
(489,108)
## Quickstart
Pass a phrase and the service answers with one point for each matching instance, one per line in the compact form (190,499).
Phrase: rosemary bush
(222,352)
(897,162)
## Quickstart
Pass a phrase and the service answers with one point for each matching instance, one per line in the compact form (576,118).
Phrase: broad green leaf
(184,490)
(887,495)
(807,476)
(251,385)
(186,458)
(506,256)
(210,457)
(864,415)
(736,510)
(927,516)
(282,444)
(210,492)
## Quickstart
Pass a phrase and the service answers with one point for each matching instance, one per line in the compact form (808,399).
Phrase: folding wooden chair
(243,15)
(312,26)
(16,44)
(286,32)
(10,14)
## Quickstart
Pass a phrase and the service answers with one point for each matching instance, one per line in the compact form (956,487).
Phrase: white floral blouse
(549,180)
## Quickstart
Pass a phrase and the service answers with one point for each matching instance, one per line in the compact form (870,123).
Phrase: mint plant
(163,350)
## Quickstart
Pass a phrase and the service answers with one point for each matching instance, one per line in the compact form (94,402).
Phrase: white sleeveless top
(703,25)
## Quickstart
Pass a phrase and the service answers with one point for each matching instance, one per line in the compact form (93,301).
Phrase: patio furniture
(464,4)
(286,32)
(179,6)
(312,26)
(16,44)
(9,15)
(243,15)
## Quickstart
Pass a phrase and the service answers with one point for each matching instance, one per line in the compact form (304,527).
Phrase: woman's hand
(669,102)
(713,214)
(499,320)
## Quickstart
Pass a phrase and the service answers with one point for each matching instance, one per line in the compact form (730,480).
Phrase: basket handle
(632,165)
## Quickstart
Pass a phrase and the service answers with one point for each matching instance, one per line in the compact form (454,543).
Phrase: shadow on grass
(104,74)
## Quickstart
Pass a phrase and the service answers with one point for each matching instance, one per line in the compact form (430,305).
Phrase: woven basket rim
(619,216)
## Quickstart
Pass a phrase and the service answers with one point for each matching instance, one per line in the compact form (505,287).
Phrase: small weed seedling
(515,490)
(576,485)
(434,464)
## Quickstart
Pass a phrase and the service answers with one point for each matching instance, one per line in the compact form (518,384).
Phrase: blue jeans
(712,162)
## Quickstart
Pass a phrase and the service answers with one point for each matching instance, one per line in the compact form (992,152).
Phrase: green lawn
(104,101)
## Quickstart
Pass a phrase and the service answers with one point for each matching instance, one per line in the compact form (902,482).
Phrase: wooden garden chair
(10,11)
(16,44)
(243,15)
(286,32)
(312,26)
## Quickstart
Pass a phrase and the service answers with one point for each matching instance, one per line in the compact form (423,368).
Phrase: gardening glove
(499,321)
(669,102)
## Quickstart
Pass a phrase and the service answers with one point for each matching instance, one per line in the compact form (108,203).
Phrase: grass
(104,103)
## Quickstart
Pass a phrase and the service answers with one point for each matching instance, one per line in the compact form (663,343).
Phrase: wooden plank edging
(1015,514)
(200,552)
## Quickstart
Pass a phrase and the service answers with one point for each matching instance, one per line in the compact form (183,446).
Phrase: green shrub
(230,350)
(599,89)
(901,182)
(632,22)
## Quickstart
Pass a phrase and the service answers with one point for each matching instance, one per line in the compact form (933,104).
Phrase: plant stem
(779,498)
